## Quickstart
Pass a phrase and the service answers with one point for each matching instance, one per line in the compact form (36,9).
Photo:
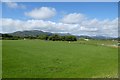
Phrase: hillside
(35,33)
(29,33)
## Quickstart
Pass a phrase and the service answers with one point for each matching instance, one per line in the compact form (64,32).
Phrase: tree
(7,36)
(10,37)
(70,38)
(55,37)
(43,37)
(63,38)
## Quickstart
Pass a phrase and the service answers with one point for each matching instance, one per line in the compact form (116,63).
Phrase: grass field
(48,59)
(0,59)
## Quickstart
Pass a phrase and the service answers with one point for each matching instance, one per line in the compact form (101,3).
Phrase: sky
(77,18)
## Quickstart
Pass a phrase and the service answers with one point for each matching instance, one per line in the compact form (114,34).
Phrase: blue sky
(100,10)
(62,14)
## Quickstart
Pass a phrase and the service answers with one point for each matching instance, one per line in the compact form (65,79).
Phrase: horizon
(66,33)
(77,18)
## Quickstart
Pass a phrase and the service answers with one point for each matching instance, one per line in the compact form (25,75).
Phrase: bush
(62,38)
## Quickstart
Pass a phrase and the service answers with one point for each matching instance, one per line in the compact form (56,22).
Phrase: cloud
(41,13)
(11,25)
(15,5)
(73,18)
(90,27)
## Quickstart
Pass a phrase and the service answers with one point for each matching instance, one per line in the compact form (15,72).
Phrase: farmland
(59,59)
(0,59)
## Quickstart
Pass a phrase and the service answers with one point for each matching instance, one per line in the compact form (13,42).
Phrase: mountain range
(39,32)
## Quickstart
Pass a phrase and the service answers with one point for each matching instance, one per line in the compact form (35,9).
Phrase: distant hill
(29,33)
(64,34)
(84,36)
(101,37)
(95,37)
(34,33)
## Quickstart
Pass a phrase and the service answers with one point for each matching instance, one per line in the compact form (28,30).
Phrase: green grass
(98,42)
(48,59)
(0,59)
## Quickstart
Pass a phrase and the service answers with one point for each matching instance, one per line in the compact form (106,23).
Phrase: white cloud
(15,5)
(73,18)
(88,27)
(41,13)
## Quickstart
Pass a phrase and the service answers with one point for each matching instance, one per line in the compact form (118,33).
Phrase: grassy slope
(34,58)
(98,42)
(0,59)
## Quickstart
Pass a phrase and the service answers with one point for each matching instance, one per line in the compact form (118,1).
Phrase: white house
(86,39)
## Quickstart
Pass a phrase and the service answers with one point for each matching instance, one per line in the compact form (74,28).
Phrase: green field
(55,59)
(0,59)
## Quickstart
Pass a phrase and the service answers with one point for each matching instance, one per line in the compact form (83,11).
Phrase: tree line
(54,37)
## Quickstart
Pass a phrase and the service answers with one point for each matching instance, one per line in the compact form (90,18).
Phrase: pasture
(0,59)
(57,59)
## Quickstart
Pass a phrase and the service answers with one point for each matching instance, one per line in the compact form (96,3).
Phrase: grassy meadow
(59,59)
(0,59)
